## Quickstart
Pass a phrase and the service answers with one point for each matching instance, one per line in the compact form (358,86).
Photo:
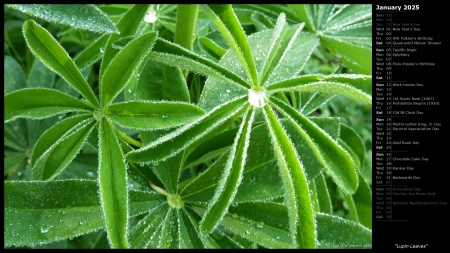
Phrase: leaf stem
(123,136)
(157,188)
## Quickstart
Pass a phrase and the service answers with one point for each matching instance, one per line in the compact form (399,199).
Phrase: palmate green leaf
(123,66)
(13,76)
(353,143)
(357,87)
(336,232)
(302,225)
(91,53)
(38,103)
(113,186)
(177,56)
(39,212)
(171,144)
(54,134)
(227,23)
(259,182)
(261,21)
(84,16)
(146,115)
(338,161)
(349,14)
(54,160)
(230,178)
(50,52)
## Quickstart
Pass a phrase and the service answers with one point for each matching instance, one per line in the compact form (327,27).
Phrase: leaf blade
(39,103)
(146,115)
(52,54)
(113,186)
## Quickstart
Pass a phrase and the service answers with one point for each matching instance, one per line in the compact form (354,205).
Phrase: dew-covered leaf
(363,203)
(127,25)
(146,115)
(357,57)
(357,87)
(315,101)
(349,14)
(83,16)
(211,47)
(55,159)
(189,235)
(339,163)
(168,172)
(145,230)
(92,53)
(340,233)
(353,143)
(171,144)
(13,76)
(227,23)
(113,186)
(53,55)
(282,39)
(174,55)
(53,134)
(230,178)
(38,103)
(261,21)
(302,225)
(323,196)
(123,66)
(39,212)
(169,232)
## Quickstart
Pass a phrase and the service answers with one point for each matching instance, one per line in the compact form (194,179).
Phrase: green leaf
(189,235)
(127,25)
(282,40)
(349,14)
(83,16)
(340,233)
(142,201)
(92,53)
(161,82)
(305,14)
(145,230)
(227,23)
(357,87)
(231,177)
(340,164)
(123,66)
(353,144)
(210,148)
(50,52)
(315,101)
(13,76)
(169,232)
(54,134)
(146,115)
(171,144)
(298,202)
(177,56)
(168,171)
(38,103)
(357,57)
(40,76)
(40,212)
(211,47)
(363,203)
(261,21)
(113,186)
(323,196)
(54,160)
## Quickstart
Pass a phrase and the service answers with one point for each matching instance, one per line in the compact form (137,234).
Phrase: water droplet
(102,50)
(44,229)
(164,116)
(257,97)
(90,174)
(81,222)
(228,91)
(150,16)
(74,17)
(247,232)
(129,90)
(278,237)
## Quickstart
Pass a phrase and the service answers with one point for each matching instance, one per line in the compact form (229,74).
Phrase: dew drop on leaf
(247,232)
(165,116)
(44,229)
